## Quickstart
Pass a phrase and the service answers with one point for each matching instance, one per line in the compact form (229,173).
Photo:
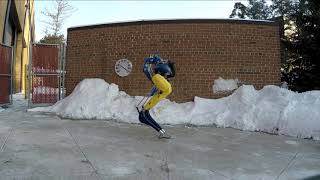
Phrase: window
(9,34)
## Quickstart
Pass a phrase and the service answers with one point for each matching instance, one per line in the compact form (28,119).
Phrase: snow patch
(284,85)
(272,109)
(121,171)
(292,142)
(223,85)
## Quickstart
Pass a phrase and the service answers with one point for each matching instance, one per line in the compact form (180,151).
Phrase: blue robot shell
(167,69)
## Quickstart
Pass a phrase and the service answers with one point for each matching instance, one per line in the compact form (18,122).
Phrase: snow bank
(95,99)
(272,109)
(1,109)
(223,85)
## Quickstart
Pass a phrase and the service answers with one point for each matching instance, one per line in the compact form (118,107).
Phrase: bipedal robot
(158,71)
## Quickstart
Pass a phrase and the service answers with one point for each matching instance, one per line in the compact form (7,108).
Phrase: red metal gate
(45,74)
(5,75)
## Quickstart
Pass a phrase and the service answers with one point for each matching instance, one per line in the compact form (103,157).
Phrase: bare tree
(56,17)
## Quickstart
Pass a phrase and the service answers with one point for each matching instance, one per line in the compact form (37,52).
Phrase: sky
(99,12)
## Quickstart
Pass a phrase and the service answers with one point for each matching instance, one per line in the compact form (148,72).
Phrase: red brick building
(203,50)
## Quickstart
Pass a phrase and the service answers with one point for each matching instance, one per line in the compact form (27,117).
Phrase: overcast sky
(96,12)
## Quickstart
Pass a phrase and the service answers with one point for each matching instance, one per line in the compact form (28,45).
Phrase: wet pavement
(43,146)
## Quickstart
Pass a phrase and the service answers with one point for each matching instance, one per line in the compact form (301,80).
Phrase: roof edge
(173,21)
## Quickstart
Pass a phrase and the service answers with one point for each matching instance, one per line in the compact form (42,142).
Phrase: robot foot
(163,135)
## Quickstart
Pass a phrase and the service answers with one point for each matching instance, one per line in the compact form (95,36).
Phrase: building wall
(3,8)
(28,36)
(20,7)
(203,50)
(23,38)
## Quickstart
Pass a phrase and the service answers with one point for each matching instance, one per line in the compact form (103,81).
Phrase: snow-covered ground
(271,109)
(19,103)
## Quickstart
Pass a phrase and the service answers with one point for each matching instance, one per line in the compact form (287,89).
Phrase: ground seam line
(215,171)
(168,175)
(294,157)
(78,146)
(6,140)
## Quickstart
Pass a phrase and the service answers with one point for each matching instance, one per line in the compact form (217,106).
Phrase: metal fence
(6,54)
(46,74)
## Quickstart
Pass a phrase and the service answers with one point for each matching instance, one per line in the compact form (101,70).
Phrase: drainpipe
(29,52)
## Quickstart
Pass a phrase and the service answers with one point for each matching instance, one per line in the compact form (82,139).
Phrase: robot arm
(147,66)
(147,69)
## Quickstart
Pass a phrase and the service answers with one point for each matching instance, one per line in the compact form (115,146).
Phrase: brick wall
(203,50)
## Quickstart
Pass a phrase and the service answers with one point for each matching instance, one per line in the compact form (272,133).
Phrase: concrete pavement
(43,146)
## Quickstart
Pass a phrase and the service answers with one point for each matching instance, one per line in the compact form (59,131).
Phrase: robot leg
(145,117)
(164,89)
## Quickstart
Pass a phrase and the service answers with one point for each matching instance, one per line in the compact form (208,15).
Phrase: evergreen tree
(301,41)
(52,39)
(239,11)
(257,9)
(302,69)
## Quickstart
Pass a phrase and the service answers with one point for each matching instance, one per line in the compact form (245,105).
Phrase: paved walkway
(39,146)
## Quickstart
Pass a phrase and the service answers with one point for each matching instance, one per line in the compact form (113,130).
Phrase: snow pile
(272,109)
(223,85)
(95,99)
(1,109)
